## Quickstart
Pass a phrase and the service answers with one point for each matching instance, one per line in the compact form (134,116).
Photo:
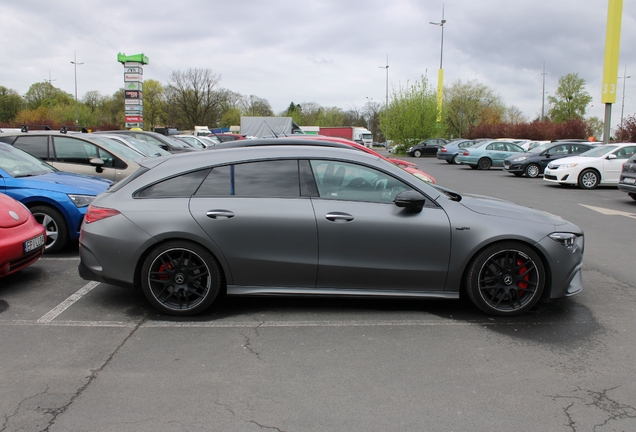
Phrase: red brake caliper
(163,276)
(523,285)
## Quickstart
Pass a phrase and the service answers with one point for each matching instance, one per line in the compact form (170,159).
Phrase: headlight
(410,148)
(81,200)
(570,165)
(570,241)
(519,159)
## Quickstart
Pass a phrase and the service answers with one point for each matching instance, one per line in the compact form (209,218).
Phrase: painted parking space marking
(609,212)
(53,313)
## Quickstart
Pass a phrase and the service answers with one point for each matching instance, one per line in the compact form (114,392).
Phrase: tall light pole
(440,75)
(386,103)
(624,78)
(75,63)
(543,94)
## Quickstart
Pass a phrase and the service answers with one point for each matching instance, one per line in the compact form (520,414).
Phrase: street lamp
(624,77)
(75,63)
(386,106)
(440,75)
(543,94)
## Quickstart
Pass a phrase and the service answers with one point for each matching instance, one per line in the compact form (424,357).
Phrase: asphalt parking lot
(80,356)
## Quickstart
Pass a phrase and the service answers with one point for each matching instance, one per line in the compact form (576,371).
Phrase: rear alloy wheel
(454,160)
(180,278)
(589,179)
(505,279)
(484,164)
(533,171)
(417,153)
(51,219)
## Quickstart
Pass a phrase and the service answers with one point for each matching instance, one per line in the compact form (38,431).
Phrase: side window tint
(346,181)
(72,150)
(34,145)
(181,186)
(277,178)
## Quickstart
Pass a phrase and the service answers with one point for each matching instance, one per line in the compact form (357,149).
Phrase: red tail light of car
(443,149)
(94,214)
(466,152)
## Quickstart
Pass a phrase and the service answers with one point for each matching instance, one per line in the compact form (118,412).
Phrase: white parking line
(50,316)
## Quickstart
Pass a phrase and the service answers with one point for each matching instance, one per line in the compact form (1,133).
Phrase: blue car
(484,155)
(58,200)
(449,152)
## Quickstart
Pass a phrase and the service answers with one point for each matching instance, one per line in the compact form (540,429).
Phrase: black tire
(505,279)
(589,179)
(454,160)
(417,153)
(533,171)
(484,164)
(57,234)
(473,166)
(180,278)
(632,196)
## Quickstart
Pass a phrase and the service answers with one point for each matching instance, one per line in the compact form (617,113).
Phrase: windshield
(541,148)
(599,151)
(21,164)
(146,148)
(117,148)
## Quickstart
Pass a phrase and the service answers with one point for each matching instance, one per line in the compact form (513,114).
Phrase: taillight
(443,150)
(94,214)
(466,152)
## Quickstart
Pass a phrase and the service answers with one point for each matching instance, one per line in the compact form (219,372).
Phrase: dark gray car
(319,221)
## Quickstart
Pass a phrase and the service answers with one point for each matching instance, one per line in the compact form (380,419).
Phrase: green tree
(570,100)
(468,105)
(10,104)
(154,104)
(45,94)
(231,117)
(194,95)
(412,114)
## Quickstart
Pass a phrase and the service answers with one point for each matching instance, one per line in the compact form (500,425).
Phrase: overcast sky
(325,51)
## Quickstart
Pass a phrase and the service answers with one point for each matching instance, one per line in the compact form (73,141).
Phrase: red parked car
(22,239)
(409,166)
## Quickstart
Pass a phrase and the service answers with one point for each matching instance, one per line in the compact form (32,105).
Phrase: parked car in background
(317,221)
(529,145)
(78,152)
(627,181)
(599,166)
(533,163)
(143,147)
(21,236)
(58,200)
(449,152)
(486,154)
(200,142)
(165,142)
(426,147)
(225,137)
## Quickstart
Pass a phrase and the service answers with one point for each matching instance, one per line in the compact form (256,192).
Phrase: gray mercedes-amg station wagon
(309,220)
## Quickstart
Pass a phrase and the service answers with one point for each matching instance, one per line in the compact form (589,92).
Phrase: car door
(553,153)
(366,242)
(264,229)
(75,155)
(612,167)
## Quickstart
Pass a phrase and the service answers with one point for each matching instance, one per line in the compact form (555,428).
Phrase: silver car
(319,221)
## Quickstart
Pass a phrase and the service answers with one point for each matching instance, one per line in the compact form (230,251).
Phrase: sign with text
(134,102)
(133,108)
(134,119)
(132,94)
(134,125)
(133,77)
(134,70)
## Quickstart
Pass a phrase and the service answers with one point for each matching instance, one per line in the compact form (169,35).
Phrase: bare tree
(193,92)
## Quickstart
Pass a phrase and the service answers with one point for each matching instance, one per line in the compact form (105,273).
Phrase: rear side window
(278,178)
(34,145)
(184,185)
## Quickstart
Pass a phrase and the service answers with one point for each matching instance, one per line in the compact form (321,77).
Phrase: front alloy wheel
(533,171)
(506,279)
(484,164)
(180,278)
(589,179)
(417,153)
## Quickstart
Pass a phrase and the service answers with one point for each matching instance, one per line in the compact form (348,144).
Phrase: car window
(579,148)
(34,145)
(180,186)
(625,152)
(346,181)
(273,178)
(71,150)
(559,150)
(513,148)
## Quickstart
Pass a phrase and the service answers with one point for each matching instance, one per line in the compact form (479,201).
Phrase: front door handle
(219,214)
(339,217)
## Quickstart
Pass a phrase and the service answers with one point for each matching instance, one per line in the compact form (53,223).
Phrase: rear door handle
(219,214)
(339,217)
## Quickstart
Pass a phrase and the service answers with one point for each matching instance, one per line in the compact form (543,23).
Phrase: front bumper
(562,176)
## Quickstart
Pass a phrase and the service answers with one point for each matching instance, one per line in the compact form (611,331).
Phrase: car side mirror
(611,156)
(98,164)
(411,200)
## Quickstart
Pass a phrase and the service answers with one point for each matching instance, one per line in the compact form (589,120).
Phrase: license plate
(629,180)
(34,243)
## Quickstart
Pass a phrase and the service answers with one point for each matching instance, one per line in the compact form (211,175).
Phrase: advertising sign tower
(133,88)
